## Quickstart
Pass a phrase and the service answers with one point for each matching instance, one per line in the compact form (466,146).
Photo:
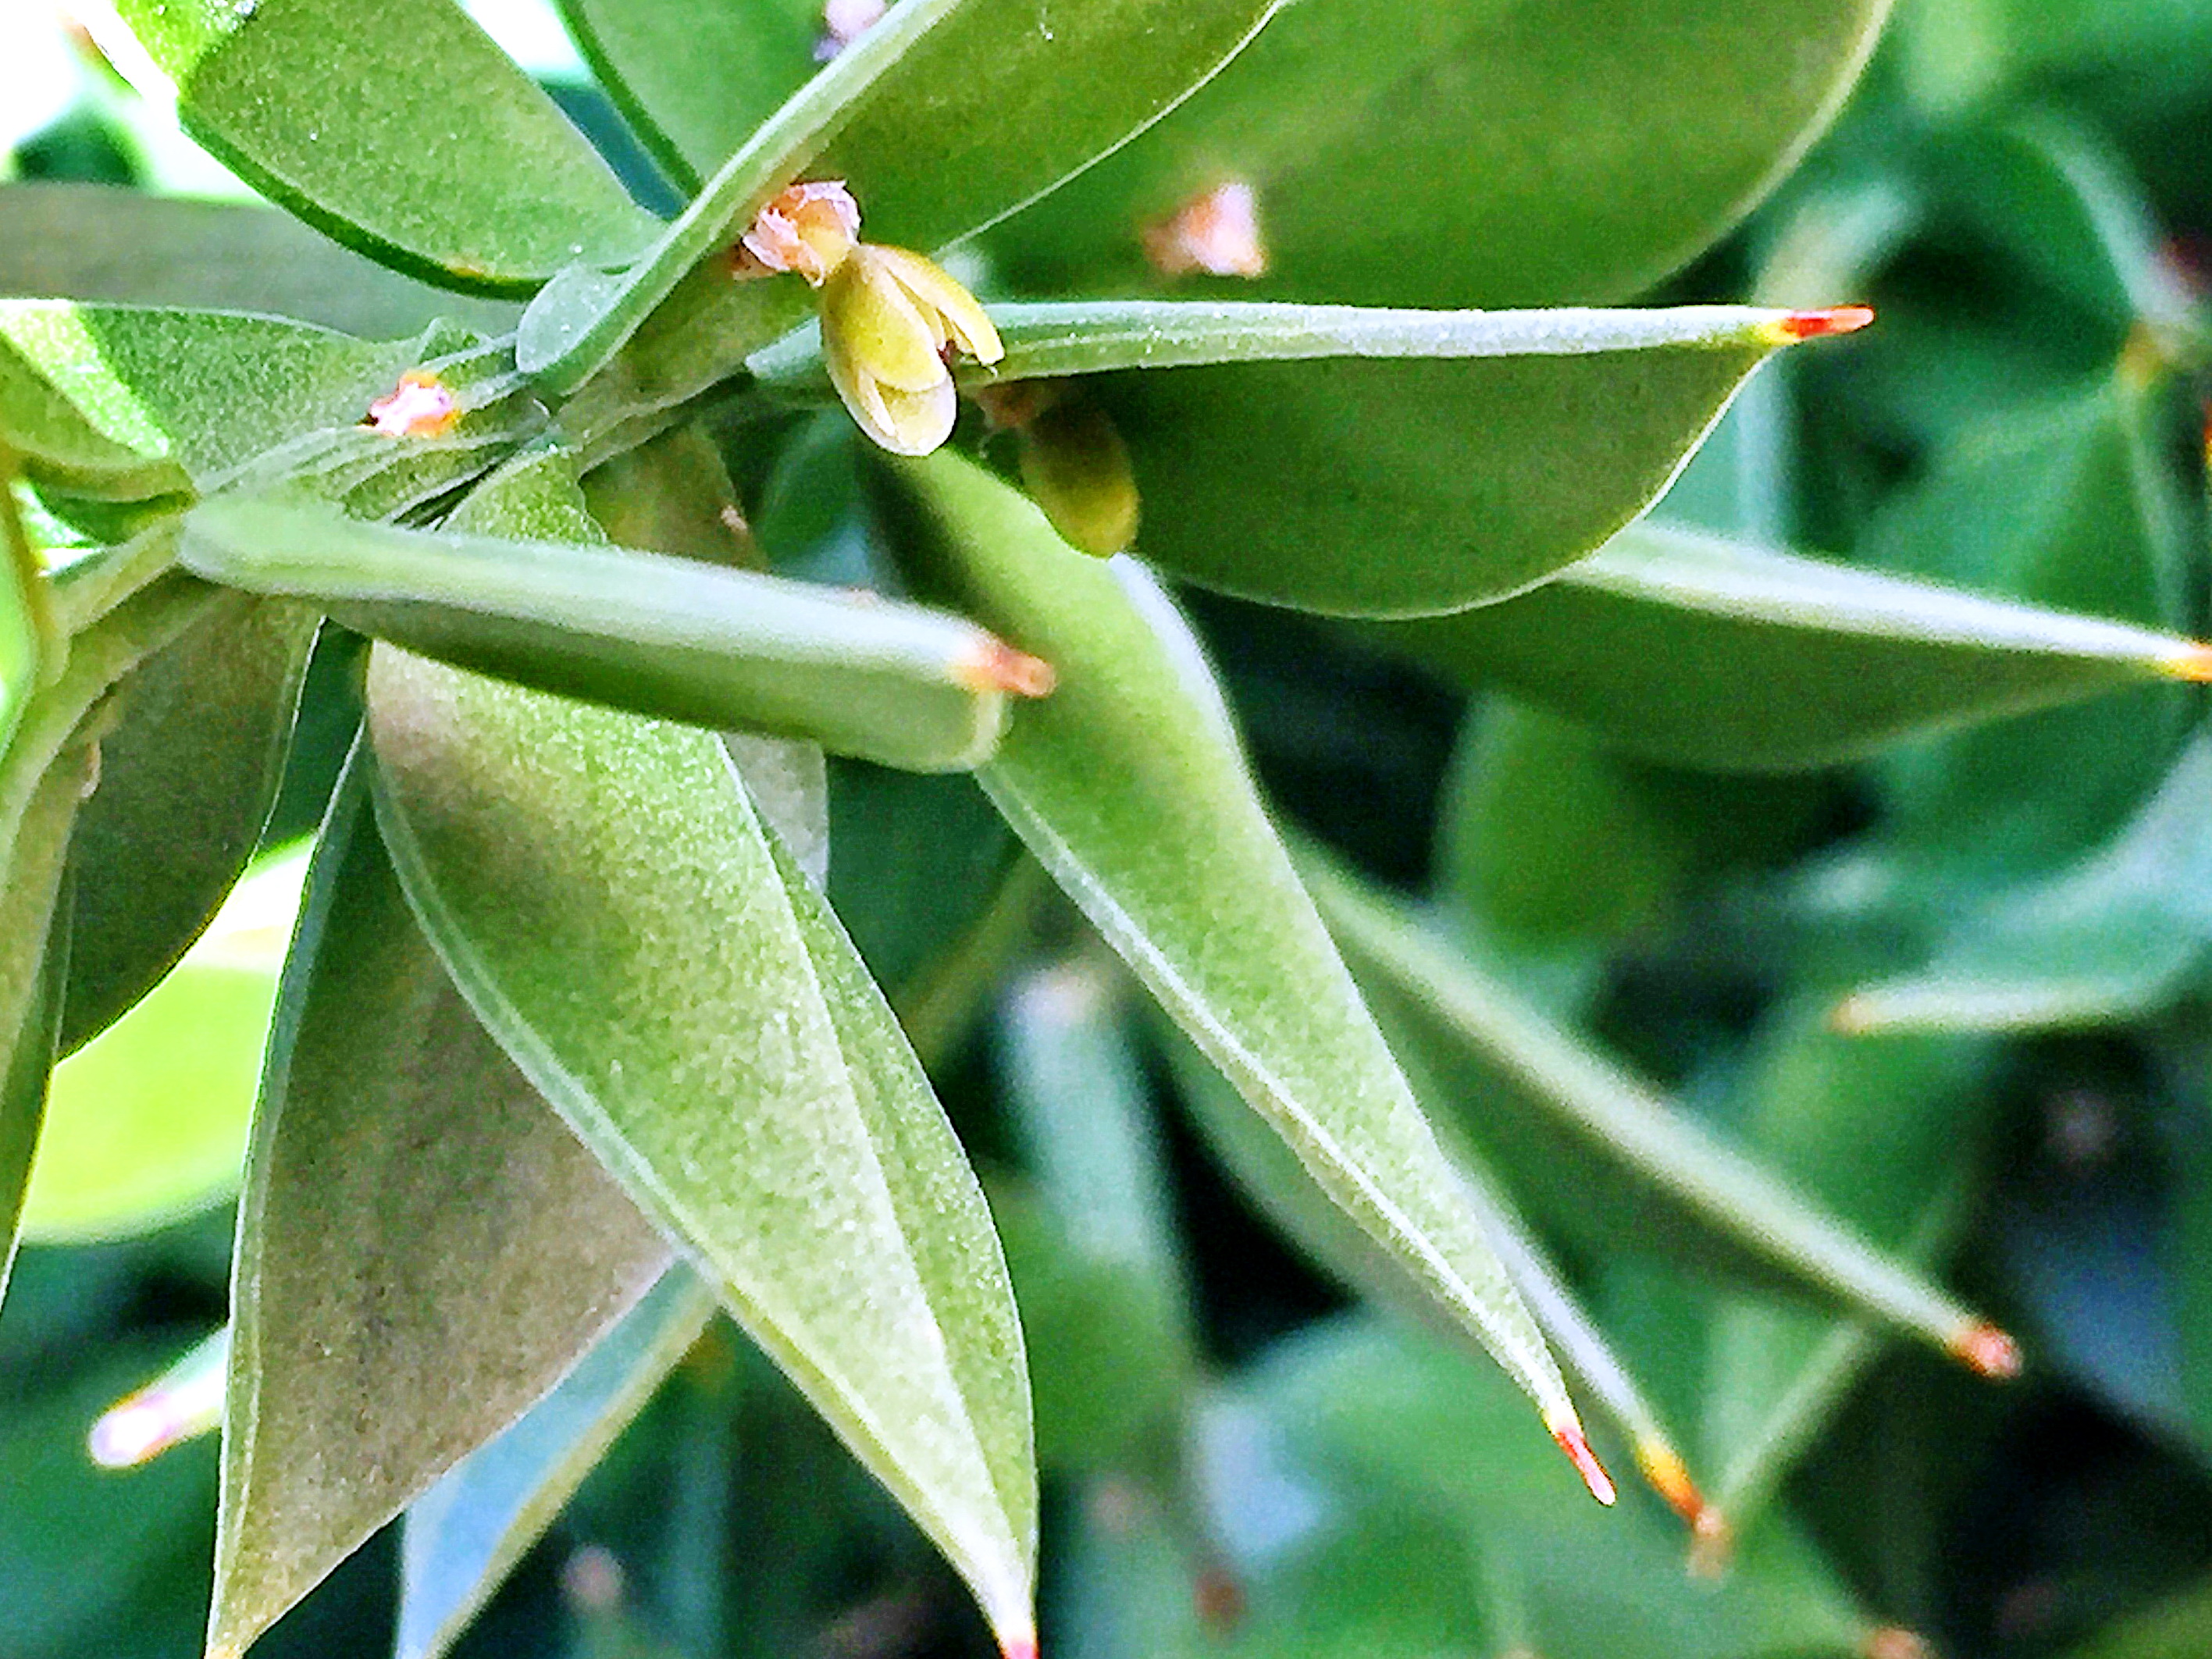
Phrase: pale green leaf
(424,1249)
(33,963)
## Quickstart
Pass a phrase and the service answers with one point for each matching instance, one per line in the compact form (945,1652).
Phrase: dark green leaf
(423,1247)
(1127,786)
(397,126)
(187,776)
(1702,651)
(72,241)
(607,898)
(466,1535)
(667,636)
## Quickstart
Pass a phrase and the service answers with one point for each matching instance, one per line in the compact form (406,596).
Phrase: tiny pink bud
(1217,233)
(419,406)
(808,228)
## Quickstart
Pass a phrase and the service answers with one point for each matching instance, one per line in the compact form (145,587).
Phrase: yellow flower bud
(1076,467)
(890,320)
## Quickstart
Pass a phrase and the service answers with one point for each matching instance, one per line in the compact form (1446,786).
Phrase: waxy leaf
(93,242)
(466,1535)
(1535,1066)
(1406,154)
(671,637)
(944,117)
(1701,651)
(424,1249)
(2112,936)
(1130,788)
(467,176)
(608,900)
(147,1121)
(187,776)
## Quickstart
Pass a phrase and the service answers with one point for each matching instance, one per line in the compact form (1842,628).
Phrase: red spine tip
(1837,320)
(1988,1350)
(1664,1469)
(1019,1647)
(999,667)
(1578,1448)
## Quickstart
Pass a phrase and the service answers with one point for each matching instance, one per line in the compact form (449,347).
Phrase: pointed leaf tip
(1573,1442)
(1662,1466)
(999,667)
(2189,665)
(1988,1350)
(1895,1642)
(1812,324)
(1019,1647)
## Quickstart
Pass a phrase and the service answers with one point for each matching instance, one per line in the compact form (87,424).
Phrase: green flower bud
(890,321)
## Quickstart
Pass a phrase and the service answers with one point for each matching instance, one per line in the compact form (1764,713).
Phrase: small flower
(421,406)
(810,228)
(1074,464)
(890,322)
(1218,233)
(844,21)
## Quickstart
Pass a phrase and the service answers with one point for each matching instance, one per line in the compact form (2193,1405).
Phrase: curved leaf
(1703,651)
(944,117)
(1408,154)
(187,777)
(466,1534)
(604,894)
(33,963)
(667,637)
(1129,789)
(466,175)
(423,1247)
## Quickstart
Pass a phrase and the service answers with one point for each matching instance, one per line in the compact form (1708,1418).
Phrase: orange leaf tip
(1664,1468)
(1895,1642)
(997,666)
(1793,326)
(421,406)
(1576,1446)
(1021,1646)
(2193,665)
(1216,234)
(1988,1350)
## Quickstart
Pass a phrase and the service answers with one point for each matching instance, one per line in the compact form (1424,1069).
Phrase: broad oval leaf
(1406,154)
(424,1249)
(1128,788)
(1700,651)
(946,116)
(667,636)
(187,777)
(147,1121)
(466,1535)
(605,896)
(467,175)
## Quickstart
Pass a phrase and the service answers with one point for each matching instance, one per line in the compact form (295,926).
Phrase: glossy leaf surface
(604,894)
(1701,651)
(466,1535)
(1493,155)
(186,779)
(424,1247)
(1127,786)
(148,1121)
(470,177)
(667,636)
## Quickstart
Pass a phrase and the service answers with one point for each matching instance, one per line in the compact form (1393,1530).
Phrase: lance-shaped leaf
(187,776)
(1705,652)
(34,964)
(1128,788)
(469,177)
(1413,155)
(148,1120)
(670,637)
(29,640)
(424,1249)
(466,1535)
(1534,1067)
(605,896)
(81,241)
(124,403)
(2111,937)
(944,117)
(1412,461)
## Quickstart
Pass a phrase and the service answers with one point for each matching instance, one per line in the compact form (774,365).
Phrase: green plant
(610,1000)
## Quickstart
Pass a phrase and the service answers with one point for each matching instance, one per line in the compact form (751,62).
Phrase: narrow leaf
(466,1535)
(604,894)
(469,177)
(1129,789)
(671,637)
(1547,1070)
(34,964)
(423,1247)
(1702,651)
(187,777)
